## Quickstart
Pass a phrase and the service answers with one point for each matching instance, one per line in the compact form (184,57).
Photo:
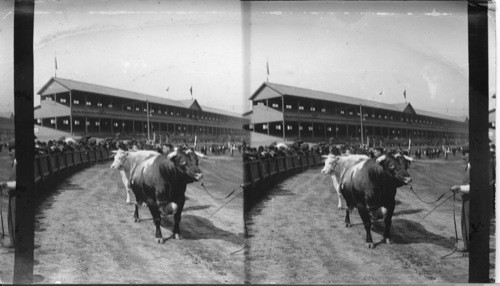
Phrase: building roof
(320,95)
(220,111)
(99,89)
(439,115)
(7,114)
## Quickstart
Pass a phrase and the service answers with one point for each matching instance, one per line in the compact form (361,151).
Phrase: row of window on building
(158,111)
(366,115)
(115,124)
(311,128)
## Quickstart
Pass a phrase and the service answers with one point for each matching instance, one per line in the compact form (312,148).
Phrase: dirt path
(85,233)
(298,236)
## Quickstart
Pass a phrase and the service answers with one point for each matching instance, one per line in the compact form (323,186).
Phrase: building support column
(325,130)
(283,114)
(347,132)
(70,113)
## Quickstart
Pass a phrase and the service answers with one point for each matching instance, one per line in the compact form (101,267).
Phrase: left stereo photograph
(138,126)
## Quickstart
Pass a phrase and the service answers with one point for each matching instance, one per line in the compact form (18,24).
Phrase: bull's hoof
(128,203)
(177,236)
(388,241)
(144,205)
(370,245)
(347,224)
(160,239)
(339,207)
(136,219)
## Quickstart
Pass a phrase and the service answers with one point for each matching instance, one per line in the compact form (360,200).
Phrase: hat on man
(380,149)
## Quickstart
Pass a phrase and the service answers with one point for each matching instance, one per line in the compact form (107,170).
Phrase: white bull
(126,162)
(336,166)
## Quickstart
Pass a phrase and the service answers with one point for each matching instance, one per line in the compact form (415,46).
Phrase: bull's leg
(337,189)
(177,218)
(155,212)
(388,222)
(367,222)
(128,189)
(348,210)
(136,212)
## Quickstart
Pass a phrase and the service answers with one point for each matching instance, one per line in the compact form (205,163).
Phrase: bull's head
(403,159)
(120,157)
(394,169)
(329,162)
(186,162)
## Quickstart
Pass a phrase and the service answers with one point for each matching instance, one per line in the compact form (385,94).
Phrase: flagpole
(267,68)
(55,63)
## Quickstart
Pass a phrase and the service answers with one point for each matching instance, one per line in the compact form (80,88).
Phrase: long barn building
(88,109)
(294,113)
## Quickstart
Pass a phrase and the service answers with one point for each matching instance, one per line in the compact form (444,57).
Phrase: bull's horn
(381,158)
(200,154)
(408,158)
(172,154)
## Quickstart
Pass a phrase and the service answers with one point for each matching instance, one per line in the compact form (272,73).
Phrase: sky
(370,50)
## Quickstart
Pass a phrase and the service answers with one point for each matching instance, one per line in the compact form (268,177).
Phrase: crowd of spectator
(89,144)
(300,148)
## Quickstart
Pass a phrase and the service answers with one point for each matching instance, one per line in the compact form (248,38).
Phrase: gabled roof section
(64,85)
(191,104)
(265,91)
(52,86)
(405,107)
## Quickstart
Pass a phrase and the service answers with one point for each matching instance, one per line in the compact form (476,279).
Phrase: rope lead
(219,199)
(456,232)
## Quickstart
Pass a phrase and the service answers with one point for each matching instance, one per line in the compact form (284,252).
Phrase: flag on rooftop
(267,67)
(404,93)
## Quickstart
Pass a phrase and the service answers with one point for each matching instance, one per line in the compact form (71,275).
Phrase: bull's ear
(381,159)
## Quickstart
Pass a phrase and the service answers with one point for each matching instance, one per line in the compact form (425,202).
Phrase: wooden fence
(258,172)
(48,166)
